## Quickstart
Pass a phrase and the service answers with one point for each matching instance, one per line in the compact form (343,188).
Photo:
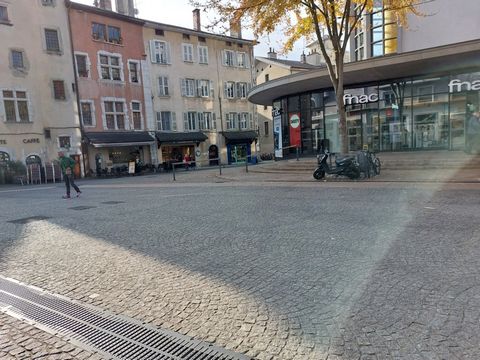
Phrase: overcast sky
(179,12)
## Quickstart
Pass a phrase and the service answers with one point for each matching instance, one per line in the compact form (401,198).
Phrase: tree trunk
(342,118)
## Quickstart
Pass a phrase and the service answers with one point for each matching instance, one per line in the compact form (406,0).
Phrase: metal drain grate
(93,329)
(29,219)
(113,202)
(82,207)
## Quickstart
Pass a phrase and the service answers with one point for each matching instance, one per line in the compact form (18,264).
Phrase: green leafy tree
(311,19)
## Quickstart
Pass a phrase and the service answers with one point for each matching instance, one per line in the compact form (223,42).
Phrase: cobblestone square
(272,270)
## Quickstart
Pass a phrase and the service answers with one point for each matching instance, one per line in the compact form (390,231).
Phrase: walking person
(67,164)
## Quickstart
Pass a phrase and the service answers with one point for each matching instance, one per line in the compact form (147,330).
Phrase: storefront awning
(180,137)
(239,137)
(119,138)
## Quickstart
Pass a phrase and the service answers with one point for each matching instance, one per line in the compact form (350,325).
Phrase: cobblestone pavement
(276,271)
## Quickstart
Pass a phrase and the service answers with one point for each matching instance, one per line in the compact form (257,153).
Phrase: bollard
(246,165)
(220,166)
(297,152)
(173,168)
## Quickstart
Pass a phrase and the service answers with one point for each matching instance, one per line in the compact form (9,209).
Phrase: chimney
(272,54)
(125,7)
(196,20)
(103,4)
(236,29)
(303,58)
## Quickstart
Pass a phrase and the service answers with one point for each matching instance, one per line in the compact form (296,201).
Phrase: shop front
(239,145)
(175,146)
(424,100)
(113,152)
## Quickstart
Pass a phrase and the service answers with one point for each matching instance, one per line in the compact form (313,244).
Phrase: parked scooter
(345,166)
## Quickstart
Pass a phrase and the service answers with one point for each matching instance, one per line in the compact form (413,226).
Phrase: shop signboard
(277,132)
(131,167)
(295,136)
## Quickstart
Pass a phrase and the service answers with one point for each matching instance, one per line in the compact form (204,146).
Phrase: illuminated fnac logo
(457,85)
(349,99)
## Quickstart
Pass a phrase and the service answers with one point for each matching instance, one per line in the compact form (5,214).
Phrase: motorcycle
(345,166)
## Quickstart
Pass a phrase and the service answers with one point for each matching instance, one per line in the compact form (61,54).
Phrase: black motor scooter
(345,166)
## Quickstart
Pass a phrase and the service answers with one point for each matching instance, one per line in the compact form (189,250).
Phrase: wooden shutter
(174,121)
(183,86)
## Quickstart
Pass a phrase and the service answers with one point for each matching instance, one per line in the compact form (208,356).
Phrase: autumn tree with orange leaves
(310,19)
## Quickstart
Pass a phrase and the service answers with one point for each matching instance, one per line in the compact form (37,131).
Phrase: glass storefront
(406,114)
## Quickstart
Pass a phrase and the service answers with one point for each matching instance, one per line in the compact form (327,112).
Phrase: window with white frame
(3,14)
(242,90)
(231,120)
(160,52)
(52,43)
(190,121)
(187,51)
(83,65)
(114,115)
(136,115)
(202,54)
(48,2)
(166,121)
(64,142)
(243,120)
(163,88)
(228,58)
(87,112)
(15,106)
(188,87)
(241,60)
(203,88)
(207,121)
(229,89)
(110,66)
(17,59)
(133,71)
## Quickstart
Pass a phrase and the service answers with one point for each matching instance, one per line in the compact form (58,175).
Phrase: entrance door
(239,153)
(213,154)
(354,130)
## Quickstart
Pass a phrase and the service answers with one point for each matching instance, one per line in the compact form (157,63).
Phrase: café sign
(31,141)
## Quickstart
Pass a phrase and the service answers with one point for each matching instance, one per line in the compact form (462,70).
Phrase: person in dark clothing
(67,164)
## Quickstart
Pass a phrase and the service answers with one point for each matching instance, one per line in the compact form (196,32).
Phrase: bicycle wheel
(376,165)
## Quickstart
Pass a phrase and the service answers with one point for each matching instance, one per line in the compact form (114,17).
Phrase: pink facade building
(108,55)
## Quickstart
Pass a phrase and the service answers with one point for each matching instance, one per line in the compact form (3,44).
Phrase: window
(51,40)
(133,71)
(59,90)
(48,2)
(228,56)
(203,88)
(137,115)
(190,121)
(206,121)
(160,52)
(166,121)
(267,77)
(203,54)
(87,113)
(241,59)
(202,39)
(229,90)
(3,14)
(114,35)
(243,120)
(159,32)
(231,121)
(110,67)
(99,32)
(15,104)
(187,50)
(425,94)
(114,115)
(188,87)
(265,127)
(242,90)
(17,59)
(186,37)
(163,86)
(383,30)
(82,65)
(64,142)
(4,157)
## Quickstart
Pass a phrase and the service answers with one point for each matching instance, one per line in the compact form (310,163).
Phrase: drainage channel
(93,329)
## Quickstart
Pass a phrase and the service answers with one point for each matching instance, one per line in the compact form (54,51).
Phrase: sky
(179,12)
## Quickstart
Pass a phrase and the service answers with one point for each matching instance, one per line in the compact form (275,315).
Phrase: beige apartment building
(270,68)
(38,111)
(198,91)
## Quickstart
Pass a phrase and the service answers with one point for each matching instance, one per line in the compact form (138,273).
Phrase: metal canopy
(119,138)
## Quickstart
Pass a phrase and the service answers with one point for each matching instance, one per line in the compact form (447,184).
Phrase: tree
(311,19)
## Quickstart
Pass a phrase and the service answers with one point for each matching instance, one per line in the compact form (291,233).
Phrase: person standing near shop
(473,133)
(67,164)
